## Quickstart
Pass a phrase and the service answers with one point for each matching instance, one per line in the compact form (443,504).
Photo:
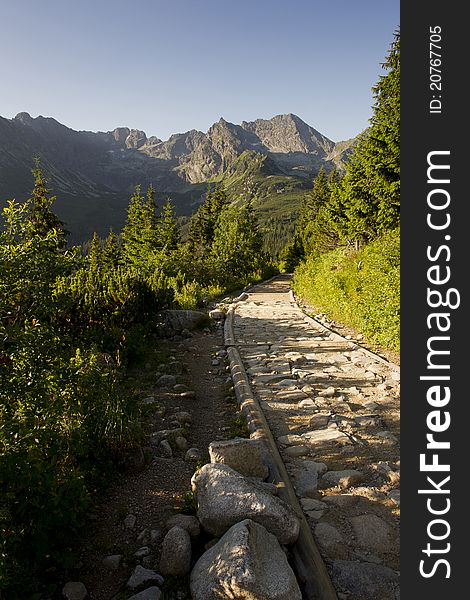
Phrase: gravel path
(334,410)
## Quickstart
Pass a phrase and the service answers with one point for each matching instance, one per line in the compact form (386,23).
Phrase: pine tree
(111,251)
(204,222)
(139,235)
(95,256)
(168,234)
(40,218)
(237,245)
(370,191)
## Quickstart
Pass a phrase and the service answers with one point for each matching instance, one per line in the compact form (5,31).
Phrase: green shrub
(360,289)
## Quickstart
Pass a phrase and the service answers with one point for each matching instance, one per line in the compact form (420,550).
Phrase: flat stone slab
(325,435)
(372,532)
(365,581)
(342,479)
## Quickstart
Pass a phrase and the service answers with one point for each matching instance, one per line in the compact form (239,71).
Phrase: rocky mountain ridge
(94,173)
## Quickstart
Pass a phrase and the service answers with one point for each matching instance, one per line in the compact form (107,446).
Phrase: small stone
(312,504)
(189,523)
(372,532)
(342,479)
(295,451)
(141,576)
(341,500)
(129,521)
(165,449)
(394,495)
(183,417)
(112,562)
(215,362)
(165,381)
(193,454)
(330,539)
(180,387)
(141,552)
(181,443)
(74,590)
(143,537)
(328,393)
(149,401)
(151,593)
(308,403)
(387,435)
(190,394)
(290,440)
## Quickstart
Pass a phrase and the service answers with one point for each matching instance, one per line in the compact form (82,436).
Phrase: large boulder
(244,455)
(224,497)
(246,563)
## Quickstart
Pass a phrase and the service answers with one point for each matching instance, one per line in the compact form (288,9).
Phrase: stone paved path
(334,411)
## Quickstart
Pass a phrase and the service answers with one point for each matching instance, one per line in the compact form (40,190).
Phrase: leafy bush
(361,289)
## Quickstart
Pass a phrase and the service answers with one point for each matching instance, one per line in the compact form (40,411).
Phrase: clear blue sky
(167,66)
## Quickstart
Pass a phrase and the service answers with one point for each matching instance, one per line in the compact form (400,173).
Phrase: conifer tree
(40,218)
(203,224)
(111,251)
(139,235)
(95,256)
(168,234)
(370,192)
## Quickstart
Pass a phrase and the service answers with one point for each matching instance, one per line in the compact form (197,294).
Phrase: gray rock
(394,495)
(112,562)
(312,504)
(372,532)
(180,387)
(181,443)
(189,394)
(308,403)
(224,497)
(74,590)
(141,576)
(183,417)
(175,558)
(165,449)
(246,563)
(141,552)
(244,455)
(328,393)
(193,455)
(295,451)
(342,479)
(341,500)
(129,521)
(189,523)
(171,322)
(365,581)
(151,593)
(166,381)
(217,314)
(306,475)
(330,540)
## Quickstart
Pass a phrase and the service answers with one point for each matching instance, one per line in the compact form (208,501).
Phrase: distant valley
(93,174)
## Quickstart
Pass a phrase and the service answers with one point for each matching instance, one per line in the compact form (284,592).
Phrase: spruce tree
(111,251)
(168,234)
(40,218)
(139,235)
(370,191)
(204,222)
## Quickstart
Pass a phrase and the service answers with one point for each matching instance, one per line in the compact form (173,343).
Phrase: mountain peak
(24,117)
